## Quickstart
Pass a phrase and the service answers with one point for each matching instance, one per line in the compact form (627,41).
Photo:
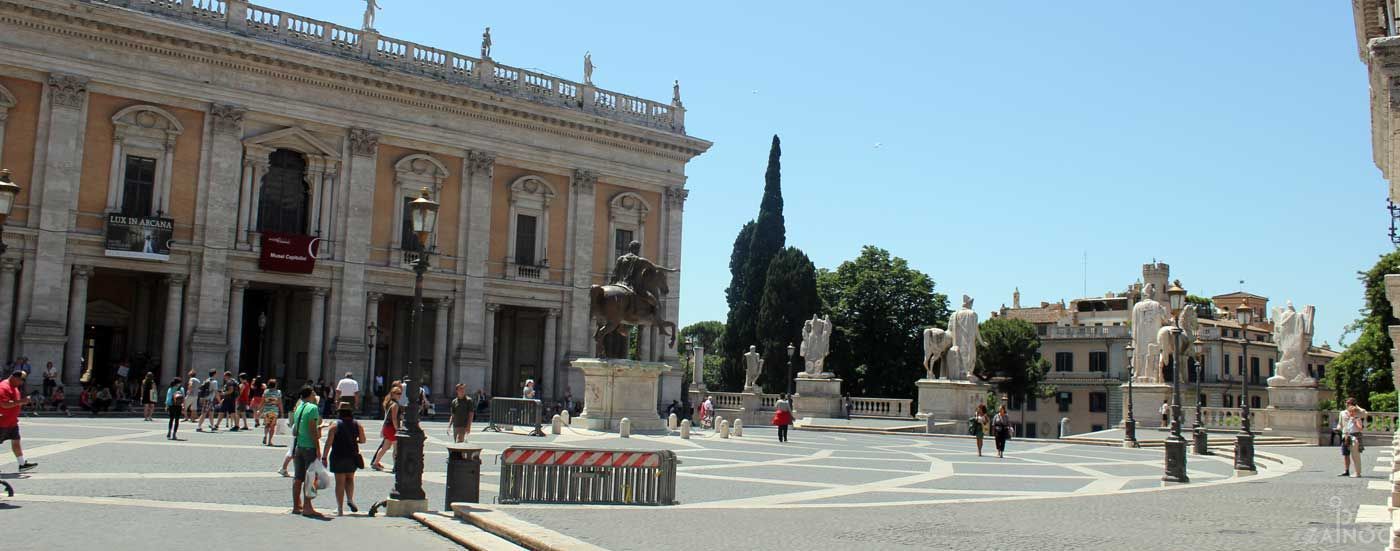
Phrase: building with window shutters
(217,185)
(1085,343)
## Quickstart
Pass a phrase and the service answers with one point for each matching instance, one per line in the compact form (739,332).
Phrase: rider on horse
(630,270)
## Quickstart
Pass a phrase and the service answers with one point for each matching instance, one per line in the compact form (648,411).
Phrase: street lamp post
(408,455)
(792,374)
(371,340)
(8,191)
(1198,431)
(1175,445)
(262,342)
(1129,423)
(1244,440)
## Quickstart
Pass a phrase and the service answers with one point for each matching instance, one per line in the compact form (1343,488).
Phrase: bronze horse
(621,307)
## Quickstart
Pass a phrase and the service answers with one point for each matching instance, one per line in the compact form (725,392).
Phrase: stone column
(46,276)
(550,371)
(349,350)
(316,335)
(8,267)
(476,333)
(582,205)
(209,341)
(489,347)
(170,340)
(441,309)
(235,326)
(77,324)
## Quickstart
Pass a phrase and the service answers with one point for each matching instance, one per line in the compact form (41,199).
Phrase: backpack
(178,399)
(204,389)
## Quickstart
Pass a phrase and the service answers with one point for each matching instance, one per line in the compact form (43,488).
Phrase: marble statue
(676,93)
(936,344)
(962,357)
(753,365)
(588,68)
(1293,331)
(486,44)
(1148,317)
(370,7)
(816,342)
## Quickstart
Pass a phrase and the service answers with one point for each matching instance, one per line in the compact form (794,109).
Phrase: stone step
(526,535)
(466,535)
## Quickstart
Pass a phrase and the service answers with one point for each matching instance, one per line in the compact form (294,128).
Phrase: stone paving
(875,491)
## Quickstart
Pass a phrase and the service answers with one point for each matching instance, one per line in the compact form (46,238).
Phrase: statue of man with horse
(632,298)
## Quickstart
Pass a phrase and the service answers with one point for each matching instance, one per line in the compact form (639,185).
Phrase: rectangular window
(409,240)
(1321,371)
(525,239)
(1254,371)
(1040,330)
(1255,403)
(1064,361)
(138,186)
(1271,367)
(1017,402)
(1064,399)
(620,240)
(1098,402)
(1225,365)
(1031,403)
(1030,430)
(1239,365)
(1098,361)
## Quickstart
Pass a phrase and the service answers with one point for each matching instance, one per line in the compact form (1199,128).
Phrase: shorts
(301,460)
(390,435)
(1346,444)
(9,433)
(227,406)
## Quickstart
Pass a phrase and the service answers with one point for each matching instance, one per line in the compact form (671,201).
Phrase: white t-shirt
(192,390)
(214,385)
(347,387)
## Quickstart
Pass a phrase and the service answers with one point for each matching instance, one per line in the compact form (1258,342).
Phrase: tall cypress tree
(789,299)
(769,236)
(740,324)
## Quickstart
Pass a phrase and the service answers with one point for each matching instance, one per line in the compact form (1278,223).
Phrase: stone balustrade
(1220,418)
(1087,332)
(727,400)
(282,27)
(1375,422)
(894,408)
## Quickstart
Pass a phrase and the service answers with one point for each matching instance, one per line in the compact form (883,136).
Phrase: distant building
(1085,343)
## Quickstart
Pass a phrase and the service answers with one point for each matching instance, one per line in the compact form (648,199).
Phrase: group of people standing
(999,426)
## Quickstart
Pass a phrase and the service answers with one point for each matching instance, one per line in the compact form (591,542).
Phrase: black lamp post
(408,456)
(1198,431)
(792,374)
(1244,440)
(262,342)
(1174,445)
(8,191)
(1129,423)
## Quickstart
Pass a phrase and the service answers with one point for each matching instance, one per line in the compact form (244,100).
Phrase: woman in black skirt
(1001,428)
(342,455)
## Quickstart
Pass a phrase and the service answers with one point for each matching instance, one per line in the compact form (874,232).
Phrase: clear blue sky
(992,144)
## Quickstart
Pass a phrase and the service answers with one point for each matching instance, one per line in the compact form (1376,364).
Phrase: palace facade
(217,185)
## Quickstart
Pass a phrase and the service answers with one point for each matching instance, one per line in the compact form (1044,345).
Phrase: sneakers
(283,472)
(27,466)
(234,429)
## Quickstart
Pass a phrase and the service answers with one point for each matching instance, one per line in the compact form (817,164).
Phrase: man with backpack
(209,402)
(191,405)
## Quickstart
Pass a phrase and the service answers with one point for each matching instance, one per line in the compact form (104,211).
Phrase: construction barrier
(506,413)
(532,474)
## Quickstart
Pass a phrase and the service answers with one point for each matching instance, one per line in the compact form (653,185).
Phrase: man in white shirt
(348,390)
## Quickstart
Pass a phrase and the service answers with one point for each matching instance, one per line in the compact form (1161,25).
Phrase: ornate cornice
(228,119)
(421,92)
(67,90)
(363,142)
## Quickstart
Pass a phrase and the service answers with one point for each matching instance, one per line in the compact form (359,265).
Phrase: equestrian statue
(632,298)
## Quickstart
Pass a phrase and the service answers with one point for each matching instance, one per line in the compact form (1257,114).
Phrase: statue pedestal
(1293,412)
(818,398)
(1147,404)
(948,399)
(613,389)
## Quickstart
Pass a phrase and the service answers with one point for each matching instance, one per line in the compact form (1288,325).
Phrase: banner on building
(289,252)
(143,237)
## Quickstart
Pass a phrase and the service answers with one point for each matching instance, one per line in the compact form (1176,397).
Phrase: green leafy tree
(708,335)
(1205,308)
(789,299)
(1009,357)
(740,322)
(879,307)
(1364,368)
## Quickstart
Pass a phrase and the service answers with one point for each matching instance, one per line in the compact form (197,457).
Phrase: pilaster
(581,205)
(349,344)
(209,343)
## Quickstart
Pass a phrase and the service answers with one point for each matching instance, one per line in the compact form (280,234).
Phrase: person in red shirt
(11,400)
(245,390)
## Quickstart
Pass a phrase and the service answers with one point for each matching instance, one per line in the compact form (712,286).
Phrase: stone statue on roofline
(486,44)
(370,7)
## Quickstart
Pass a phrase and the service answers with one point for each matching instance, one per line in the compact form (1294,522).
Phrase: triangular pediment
(295,139)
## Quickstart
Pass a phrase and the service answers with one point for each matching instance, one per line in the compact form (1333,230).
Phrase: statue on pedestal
(1293,332)
(1184,328)
(486,44)
(588,68)
(962,357)
(816,341)
(370,7)
(937,342)
(1148,318)
(753,365)
(631,299)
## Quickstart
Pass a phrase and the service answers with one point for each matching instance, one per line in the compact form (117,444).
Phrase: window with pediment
(143,156)
(282,204)
(530,197)
(413,174)
(627,219)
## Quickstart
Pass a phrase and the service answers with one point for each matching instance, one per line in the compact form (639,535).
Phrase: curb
(519,532)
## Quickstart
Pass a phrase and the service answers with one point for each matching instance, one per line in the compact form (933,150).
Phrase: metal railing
(532,474)
(506,413)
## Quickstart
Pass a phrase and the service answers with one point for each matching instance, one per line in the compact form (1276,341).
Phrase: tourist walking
(1350,422)
(208,402)
(192,397)
(245,398)
(348,390)
(389,432)
(979,427)
(782,416)
(271,410)
(343,457)
(306,449)
(1166,412)
(707,412)
(228,404)
(174,406)
(463,413)
(1001,429)
(148,395)
(255,400)
(11,400)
